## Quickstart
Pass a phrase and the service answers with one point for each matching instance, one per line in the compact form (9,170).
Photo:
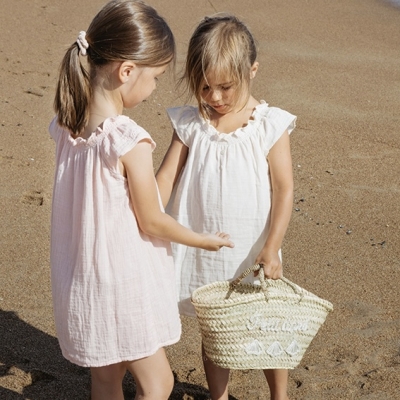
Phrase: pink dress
(113,286)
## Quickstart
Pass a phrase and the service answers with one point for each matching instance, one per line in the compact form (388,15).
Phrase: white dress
(113,286)
(224,186)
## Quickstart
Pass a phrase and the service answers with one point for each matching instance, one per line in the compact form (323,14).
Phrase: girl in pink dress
(112,272)
(228,167)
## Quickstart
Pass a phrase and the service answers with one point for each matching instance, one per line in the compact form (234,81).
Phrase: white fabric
(82,42)
(224,186)
(113,286)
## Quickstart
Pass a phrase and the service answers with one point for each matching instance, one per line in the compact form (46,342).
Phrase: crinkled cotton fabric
(113,286)
(224,186)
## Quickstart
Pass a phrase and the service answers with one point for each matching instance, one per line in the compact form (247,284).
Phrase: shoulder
(183,114)
(53,127)
(122,133)
(55,130)
(274,116)
(271,123)
(124,126)
(185,120)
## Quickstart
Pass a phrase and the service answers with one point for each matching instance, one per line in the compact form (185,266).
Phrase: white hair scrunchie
(82,42)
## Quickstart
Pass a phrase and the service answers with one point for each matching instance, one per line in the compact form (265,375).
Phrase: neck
(100,109)
(237,118)
(105,103)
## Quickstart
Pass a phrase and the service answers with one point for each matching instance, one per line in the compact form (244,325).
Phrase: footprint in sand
(34,197)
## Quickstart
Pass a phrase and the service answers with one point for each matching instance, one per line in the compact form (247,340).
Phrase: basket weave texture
(250,326)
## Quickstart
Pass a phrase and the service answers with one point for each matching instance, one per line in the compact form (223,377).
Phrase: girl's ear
(125,70)
(253,70)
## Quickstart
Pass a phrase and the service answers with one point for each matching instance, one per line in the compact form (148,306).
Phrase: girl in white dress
(112,271)
(228,168)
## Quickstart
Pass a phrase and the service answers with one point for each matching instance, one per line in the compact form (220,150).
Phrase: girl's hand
(215,242)
(271,264)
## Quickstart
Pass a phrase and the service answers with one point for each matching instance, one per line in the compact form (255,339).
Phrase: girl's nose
(215,95)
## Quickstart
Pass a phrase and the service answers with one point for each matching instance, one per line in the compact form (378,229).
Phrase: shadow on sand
(34,360)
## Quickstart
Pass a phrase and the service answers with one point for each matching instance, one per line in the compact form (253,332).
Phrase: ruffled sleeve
(121,134)
(54,129)
(273,123)
(182,120)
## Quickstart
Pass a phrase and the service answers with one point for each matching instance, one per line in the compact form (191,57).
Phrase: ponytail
(71,102)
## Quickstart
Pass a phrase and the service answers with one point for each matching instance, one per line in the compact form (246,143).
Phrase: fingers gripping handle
(263,281)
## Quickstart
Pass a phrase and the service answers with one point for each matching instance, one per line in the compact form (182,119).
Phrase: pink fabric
(113,286)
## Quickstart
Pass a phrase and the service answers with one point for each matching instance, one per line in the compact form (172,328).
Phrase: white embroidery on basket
(293,348)
(255,347)
(257,321)
(275,349)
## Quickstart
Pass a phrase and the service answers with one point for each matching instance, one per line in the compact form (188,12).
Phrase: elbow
(151,225)
(284,192)
(148,227)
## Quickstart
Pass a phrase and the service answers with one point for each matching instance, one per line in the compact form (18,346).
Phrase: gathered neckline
(222,136)
(96,135)
(252,118)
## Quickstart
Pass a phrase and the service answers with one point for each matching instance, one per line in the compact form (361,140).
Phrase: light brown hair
(122,30)
(221,45)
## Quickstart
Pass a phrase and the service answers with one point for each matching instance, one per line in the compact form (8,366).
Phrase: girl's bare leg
(278,383)
(107,382)
(153,376)
(217,379)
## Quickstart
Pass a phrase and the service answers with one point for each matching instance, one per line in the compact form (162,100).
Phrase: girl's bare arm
(138,165)
(171,166)
(280,166)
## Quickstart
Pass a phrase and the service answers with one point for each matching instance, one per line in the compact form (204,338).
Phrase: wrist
(271,247)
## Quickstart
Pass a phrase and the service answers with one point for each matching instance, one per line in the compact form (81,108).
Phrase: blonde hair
(221,45)
(122,30)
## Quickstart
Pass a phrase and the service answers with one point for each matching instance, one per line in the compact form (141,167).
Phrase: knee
(109,375)
(159,389)
(165,388)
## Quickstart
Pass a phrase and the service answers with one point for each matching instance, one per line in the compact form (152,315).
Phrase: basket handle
(264,282)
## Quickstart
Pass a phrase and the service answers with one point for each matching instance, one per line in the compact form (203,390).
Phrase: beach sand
(333,64)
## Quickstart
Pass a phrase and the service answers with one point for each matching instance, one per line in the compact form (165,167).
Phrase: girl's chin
(220,109)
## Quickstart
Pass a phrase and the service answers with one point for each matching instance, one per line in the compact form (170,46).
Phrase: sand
(333,64)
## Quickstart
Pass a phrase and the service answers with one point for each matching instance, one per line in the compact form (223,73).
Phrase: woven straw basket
(250,326)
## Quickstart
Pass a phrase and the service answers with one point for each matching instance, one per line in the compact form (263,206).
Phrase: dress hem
(120,359)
